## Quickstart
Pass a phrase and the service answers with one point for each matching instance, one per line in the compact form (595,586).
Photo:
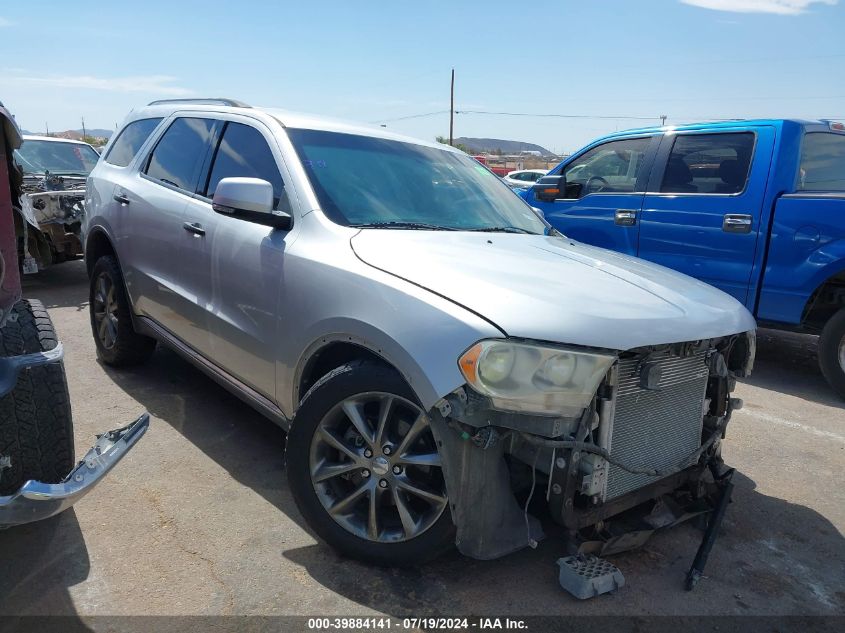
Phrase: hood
(554,289)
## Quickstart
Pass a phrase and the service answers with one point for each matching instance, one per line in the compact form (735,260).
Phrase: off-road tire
(829,341)
(36,428)
(339,384)
(130,348)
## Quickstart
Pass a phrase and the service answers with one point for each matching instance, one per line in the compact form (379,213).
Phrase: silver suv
(435,350)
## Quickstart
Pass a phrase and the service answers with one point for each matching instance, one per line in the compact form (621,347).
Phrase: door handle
(736,223)
(194,227)
(121,198)
(625,217)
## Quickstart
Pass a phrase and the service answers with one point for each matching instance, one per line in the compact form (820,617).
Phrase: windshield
(373,182)
(36,157)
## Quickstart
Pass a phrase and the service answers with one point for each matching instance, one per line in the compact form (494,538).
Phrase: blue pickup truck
(755,208)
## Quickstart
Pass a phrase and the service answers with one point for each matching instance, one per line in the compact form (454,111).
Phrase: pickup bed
(755,208)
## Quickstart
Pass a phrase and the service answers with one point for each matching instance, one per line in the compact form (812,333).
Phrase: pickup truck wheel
(36,429)
(364,468)
(832,352)
(117,342)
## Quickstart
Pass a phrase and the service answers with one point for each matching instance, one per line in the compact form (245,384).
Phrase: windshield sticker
(314,163)
(483,170)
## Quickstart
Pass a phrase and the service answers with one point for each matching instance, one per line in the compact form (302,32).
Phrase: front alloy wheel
(364,468)
(376,469)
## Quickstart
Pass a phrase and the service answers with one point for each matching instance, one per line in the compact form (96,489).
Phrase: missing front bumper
(36,500)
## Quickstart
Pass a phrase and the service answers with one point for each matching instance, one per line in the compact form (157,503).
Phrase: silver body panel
(257,303)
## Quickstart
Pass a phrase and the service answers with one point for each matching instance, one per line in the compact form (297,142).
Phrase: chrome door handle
(194,227)
(625,217)
(121,198)
(736,223)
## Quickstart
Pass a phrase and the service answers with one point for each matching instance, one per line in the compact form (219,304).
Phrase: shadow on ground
(788,362)
(39,562)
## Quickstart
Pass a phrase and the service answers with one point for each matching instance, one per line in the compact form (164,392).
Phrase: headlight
(532,378)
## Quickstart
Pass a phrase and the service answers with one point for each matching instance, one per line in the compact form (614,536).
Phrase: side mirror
(249,199)
(550,188)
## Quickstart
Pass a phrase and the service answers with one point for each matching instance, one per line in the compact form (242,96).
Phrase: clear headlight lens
(532,378)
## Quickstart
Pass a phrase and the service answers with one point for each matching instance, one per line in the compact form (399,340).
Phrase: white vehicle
(524,178)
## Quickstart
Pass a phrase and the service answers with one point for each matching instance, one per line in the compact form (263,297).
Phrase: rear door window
(243,152)
(178,155)
(822,162)
(709,163)
(130,140)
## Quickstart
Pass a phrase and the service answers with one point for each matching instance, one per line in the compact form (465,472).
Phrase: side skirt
(259,402)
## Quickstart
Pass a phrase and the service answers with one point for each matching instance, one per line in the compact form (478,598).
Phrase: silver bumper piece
(35,500)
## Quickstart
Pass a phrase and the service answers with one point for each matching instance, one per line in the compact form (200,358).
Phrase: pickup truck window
(609,168)
(822,162)
(709,163)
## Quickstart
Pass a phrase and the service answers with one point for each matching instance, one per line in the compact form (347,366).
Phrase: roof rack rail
(202,101)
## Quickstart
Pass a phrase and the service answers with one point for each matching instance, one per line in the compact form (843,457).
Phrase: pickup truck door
(604,193)
(701,214)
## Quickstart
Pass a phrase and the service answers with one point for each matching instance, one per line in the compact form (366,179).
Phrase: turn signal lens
(469,363)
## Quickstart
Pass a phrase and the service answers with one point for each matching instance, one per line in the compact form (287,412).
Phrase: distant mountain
(77,134)
(495,145)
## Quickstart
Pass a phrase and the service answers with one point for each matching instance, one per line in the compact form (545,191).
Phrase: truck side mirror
(550,188)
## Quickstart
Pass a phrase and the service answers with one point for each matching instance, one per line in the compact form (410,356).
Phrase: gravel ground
(199,518)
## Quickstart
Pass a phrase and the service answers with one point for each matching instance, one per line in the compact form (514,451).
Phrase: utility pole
(83,129)
(662,120)
(47,127)
(452,111)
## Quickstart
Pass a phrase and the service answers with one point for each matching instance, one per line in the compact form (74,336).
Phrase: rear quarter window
(822,162)
(130,140)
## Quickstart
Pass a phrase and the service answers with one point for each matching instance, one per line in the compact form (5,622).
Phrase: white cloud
(5,22)
(149,84)
(780,7)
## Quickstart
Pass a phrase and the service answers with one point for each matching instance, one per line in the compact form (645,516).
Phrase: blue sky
(382,61)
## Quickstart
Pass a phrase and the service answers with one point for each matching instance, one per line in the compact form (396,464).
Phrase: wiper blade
(422,226)
(502,229)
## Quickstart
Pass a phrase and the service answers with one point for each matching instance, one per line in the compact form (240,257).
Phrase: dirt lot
(199,518)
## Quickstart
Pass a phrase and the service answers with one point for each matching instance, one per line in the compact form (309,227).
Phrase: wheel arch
(97,244)
(368,343)
(330,352)
(825,301)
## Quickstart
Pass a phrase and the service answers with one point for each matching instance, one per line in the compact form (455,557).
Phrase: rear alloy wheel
(117,341)
(365,470)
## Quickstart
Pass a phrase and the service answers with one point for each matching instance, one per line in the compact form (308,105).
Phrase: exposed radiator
(656,428)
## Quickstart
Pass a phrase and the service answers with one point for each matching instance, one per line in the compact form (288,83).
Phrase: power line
(559,116)
(411,116)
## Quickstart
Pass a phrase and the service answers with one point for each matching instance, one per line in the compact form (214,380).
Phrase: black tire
(346,381)
(36,428)
(126,347)
(831,337)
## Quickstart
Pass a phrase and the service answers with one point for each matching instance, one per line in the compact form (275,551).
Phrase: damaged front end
(609,432)
(49,176)
(49,222)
